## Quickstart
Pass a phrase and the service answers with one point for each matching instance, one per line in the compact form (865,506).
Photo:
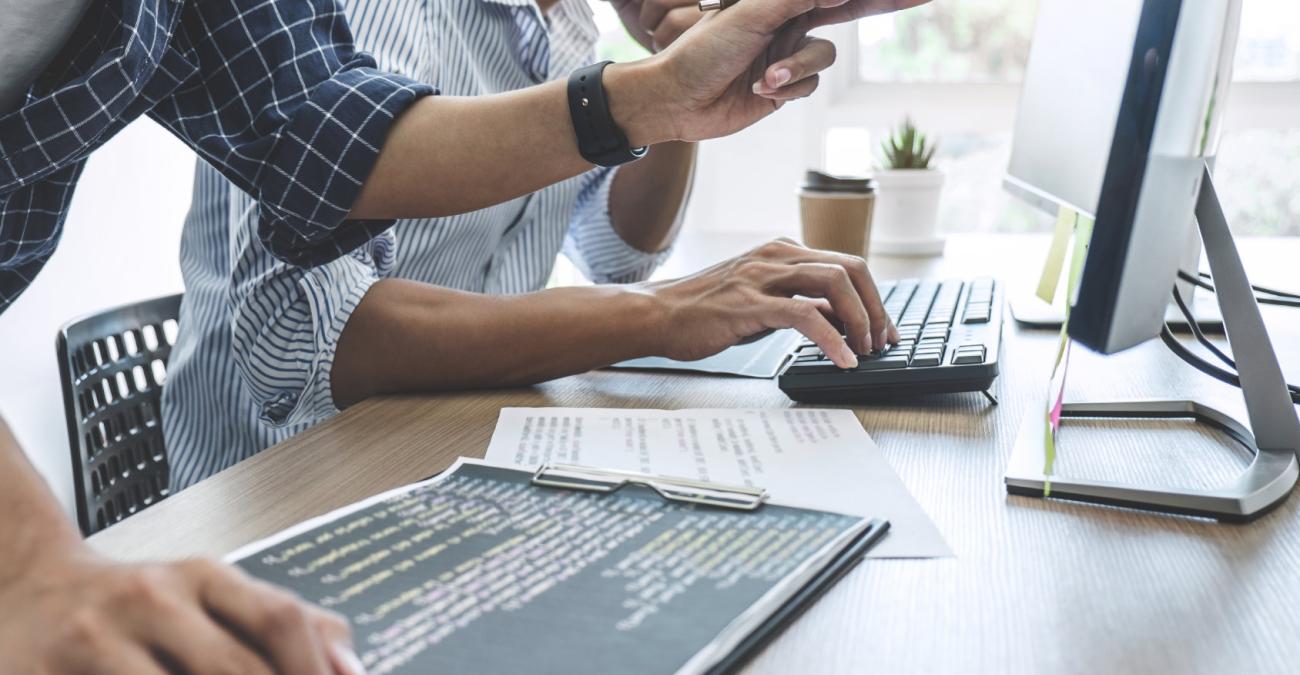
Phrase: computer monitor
(1099,72)
(1119,110)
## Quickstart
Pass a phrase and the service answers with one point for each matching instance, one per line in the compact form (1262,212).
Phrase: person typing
(333,150)
(456,302)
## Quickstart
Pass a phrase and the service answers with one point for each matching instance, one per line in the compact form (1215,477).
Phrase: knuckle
(147,586)
(232,664)
(85,628)
(805,310)
(285,615)
(328,622)
(200,567)
(752,269)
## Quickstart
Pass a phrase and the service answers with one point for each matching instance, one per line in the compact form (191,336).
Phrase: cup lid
(823,182)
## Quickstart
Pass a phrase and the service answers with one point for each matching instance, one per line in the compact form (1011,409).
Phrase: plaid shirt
(271,93)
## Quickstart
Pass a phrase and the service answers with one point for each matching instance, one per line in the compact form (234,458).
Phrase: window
(967,41)
(955,67)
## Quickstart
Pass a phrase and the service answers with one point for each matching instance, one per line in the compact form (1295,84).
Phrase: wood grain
(1036,586)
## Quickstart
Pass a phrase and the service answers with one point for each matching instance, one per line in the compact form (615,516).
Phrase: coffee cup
(835,212)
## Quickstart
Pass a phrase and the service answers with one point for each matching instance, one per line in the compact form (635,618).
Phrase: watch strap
(600,140)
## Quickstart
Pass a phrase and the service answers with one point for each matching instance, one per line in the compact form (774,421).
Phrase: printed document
(813,458)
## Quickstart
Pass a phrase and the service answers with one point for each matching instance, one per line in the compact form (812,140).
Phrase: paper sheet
(820,459)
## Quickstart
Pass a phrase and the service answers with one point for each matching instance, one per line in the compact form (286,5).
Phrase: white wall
(120,244)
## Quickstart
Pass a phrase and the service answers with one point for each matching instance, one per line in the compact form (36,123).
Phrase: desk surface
(1036,586)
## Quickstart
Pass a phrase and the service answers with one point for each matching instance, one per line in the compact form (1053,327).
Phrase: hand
(655,24)
(77,613)
(731,69)
(781,284)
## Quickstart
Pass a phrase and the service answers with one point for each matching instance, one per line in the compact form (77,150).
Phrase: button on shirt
(253,361)
(271,93)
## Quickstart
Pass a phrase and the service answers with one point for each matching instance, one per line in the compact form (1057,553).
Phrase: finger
(812,56)
(803,316)
(830,281)
(800,89)
(677,21)
(278,624)
(629,13)
(336,633)
(189,639)
(859,273)
(126,658)
(652,13)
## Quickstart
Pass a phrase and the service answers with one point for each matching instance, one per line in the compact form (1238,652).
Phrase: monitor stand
(1276,440)
(1030,311)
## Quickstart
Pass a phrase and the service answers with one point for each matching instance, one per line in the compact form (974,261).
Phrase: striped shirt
(252,364)
(272,93)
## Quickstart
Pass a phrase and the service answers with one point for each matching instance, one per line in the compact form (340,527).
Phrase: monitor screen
(1074,80)
(1120,99)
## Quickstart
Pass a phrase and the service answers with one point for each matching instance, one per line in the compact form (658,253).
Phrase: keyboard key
(884,363)
(926,360)
(936,353)
(968,354)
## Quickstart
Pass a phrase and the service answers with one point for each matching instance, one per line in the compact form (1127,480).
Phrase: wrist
(642,315)
(639,103)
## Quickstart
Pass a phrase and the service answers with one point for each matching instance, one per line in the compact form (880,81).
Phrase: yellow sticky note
(1065,220)
(1082,237)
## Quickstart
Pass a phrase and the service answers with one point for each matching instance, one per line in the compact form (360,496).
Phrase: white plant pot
(906,222)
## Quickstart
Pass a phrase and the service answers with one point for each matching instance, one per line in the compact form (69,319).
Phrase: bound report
(489,569)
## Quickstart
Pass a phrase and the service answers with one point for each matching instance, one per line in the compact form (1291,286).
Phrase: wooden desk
(1036,586)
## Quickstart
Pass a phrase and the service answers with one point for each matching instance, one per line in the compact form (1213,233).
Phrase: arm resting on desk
(408,336)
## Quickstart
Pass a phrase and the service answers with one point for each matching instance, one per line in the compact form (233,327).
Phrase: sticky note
(1047,283)
(1082,228)
(1082,238)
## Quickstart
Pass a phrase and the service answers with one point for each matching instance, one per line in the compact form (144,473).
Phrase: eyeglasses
(672,489)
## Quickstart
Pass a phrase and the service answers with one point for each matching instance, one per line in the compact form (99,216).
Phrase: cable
(1196,331)
(1205,342)
(1208,368)
(1229,377)
(1269,296)
(1203,279)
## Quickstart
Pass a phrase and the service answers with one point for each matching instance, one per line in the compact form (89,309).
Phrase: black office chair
(113,365)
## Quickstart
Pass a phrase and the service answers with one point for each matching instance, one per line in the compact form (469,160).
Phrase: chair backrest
(113,365)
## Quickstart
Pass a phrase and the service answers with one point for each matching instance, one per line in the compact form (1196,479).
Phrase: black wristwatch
(600,140)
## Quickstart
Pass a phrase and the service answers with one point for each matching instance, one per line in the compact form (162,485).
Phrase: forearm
(449,155)
(647,197)
(409,336)
(32,521)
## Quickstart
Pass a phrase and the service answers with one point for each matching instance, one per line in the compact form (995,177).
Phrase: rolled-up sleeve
(286,325)
(286,109)
(593,244)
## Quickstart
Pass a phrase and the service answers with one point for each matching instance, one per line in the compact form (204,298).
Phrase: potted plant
(907,197)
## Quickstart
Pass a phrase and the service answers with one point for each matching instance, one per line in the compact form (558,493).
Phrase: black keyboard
(951,334)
